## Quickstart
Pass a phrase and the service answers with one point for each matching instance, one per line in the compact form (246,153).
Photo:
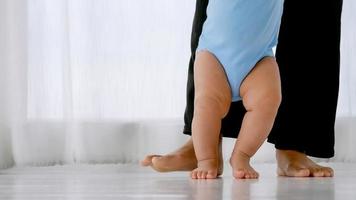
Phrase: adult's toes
(156,158)
(328,171)
(295,171)
(145,162)
(148,160)
(327,174)
(317,172)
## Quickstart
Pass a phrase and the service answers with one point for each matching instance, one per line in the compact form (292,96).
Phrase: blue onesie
(239,33)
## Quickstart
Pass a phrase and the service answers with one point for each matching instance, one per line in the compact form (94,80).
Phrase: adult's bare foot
(295,164)
(182,159)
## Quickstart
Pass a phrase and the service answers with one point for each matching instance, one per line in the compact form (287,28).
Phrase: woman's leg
(308,56)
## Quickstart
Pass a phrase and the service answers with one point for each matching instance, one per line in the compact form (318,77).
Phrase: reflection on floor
(134,182)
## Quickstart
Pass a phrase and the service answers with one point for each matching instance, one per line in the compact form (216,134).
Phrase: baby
(234,61)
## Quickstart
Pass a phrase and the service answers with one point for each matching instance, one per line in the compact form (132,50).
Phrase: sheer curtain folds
(91,81)
(86,81)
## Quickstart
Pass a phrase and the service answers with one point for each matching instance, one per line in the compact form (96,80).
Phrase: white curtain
(87,81)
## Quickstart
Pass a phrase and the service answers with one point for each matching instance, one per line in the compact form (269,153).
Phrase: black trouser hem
(318,152)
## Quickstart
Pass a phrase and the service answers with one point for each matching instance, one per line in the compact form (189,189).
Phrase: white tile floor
(133,182)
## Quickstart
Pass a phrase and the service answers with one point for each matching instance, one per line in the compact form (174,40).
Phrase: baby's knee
(212,104)
(267,102)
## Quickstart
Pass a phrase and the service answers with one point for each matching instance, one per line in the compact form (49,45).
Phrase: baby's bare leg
(261,96)
(211,103)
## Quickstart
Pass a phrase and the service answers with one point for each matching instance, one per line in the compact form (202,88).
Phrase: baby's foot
(240,163)
(207,169)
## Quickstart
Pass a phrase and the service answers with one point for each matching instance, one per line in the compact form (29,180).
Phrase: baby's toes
(245,174)
(248,175)
(252,175)
(212,174)
(204,174)
(199,174)
(193,174)
(256,174)
(239,174)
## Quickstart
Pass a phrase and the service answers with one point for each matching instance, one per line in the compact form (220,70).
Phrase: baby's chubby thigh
(212,87)
(261,87)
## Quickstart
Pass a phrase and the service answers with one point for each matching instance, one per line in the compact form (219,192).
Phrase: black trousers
(308,55)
